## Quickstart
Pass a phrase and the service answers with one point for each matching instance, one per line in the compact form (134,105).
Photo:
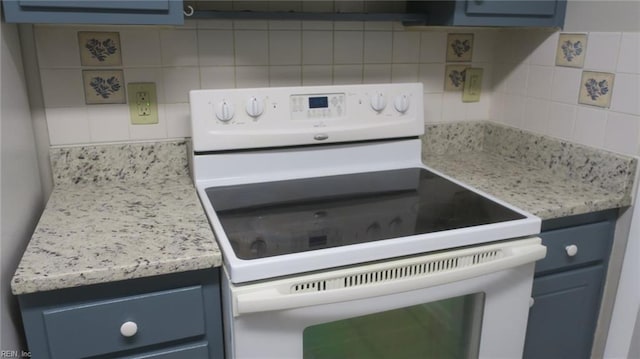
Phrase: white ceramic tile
(629,57)
(190,24)
(251,47)
(285,25)
(178,82)
(562,118)
(432,46)
(572,49)
(518,46)
(348,25)
(514,110)
(179,47)
(217,77)
(590,126)
(432,108)
(317,47)
(483,46)
(151,132)
(68,125)
(108,123)
(517,80)
(178,120)
(285,48)
(215,47)
(252,76)
(378,26)
(348,47)
(404,73)
(140,47)
(347,74)
(349,6)
(251,24)
(317,25)
(316,75)
(154,75)
(539,81)
(57,46)
(536,115)
(285,76)
(478,111)
(215,24)
(626,94)
(602,51)
(406,47)
(565,85)
(376,74)
(62,88)
(499,78)
(378,47)
(452,107)
(621,133)
(496,110)
(432,77)
(545,52)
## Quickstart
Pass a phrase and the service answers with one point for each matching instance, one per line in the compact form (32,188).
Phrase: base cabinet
(567,288)
(561,321)
(166,317)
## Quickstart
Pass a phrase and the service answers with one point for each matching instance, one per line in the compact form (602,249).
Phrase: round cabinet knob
(531,302)
(378,102)
(255,107)
(224,111)
(128,329)
(572,250)
(401,103)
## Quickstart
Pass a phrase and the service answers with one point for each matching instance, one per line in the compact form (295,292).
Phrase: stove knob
(378,102)
(254,106)
(401,103)
(224,111)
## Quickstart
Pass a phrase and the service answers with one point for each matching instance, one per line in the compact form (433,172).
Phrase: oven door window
(448,328)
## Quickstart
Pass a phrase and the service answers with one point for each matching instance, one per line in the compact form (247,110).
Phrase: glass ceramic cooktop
(274,218)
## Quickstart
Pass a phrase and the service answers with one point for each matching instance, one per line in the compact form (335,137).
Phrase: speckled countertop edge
(547,177)
(99,229)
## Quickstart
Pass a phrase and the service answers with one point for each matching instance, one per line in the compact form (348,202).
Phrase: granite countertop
(106,222)
(547,177)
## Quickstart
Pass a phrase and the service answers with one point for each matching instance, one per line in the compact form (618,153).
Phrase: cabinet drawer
(592,242)
(198,351)
(93,328)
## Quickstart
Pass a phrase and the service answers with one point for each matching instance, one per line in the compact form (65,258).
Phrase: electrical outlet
(143,105)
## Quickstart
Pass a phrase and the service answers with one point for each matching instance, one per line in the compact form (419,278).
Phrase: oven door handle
(440,268)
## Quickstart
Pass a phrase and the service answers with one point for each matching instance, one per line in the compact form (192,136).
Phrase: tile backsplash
(595,103)
(228,54)
(524,83)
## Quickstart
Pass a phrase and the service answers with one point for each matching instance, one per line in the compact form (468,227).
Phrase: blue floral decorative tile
(459,47)
(571,50)
(596,88)
(103,86)
(99,48)
(454,77)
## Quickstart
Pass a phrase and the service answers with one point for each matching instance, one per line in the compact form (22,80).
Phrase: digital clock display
(319,102)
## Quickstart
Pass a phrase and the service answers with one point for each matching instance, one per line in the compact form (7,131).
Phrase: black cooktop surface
(274,218)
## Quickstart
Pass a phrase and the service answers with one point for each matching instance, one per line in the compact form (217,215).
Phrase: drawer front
(592,242)
(198,351)
(94,328)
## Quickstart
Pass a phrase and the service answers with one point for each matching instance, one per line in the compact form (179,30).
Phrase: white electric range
(326,215)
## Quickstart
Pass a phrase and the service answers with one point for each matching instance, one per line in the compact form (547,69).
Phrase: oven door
(465,303)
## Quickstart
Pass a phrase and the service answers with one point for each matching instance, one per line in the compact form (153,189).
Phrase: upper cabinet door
(143,12)
(510,13)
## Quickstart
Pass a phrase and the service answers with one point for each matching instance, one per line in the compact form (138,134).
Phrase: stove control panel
(289,116)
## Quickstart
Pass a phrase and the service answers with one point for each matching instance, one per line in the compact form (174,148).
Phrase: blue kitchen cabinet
(568,285)
(142,12)
(493,13)
(164,317)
